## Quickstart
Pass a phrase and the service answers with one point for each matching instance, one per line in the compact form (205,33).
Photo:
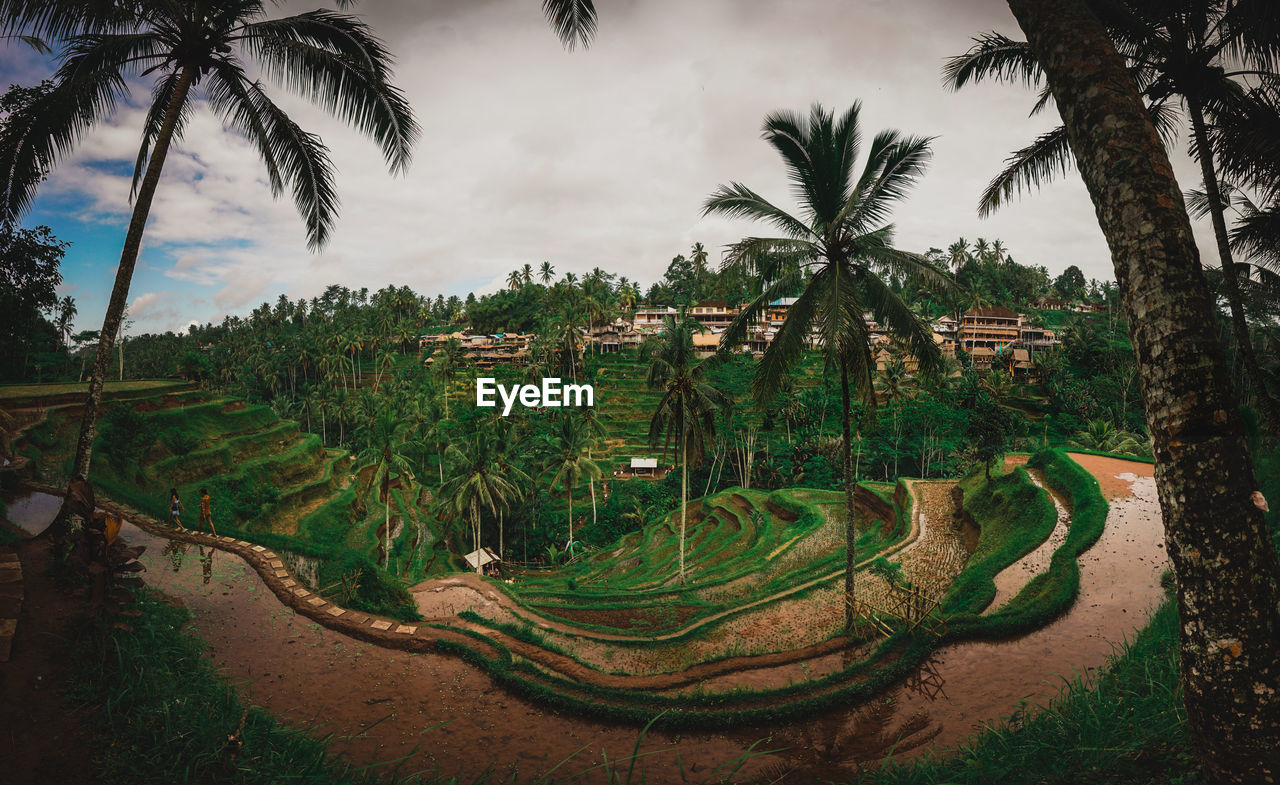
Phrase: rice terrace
(625,401)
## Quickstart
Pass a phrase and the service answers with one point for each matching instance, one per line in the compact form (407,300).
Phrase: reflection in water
(176,550)
(927,681)
(206,564)
(839,747)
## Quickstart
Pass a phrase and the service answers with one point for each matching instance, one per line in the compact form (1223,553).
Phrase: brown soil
(1113,473)
(43,737)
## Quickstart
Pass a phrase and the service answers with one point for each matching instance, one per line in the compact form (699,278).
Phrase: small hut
(644,467)
(484,561)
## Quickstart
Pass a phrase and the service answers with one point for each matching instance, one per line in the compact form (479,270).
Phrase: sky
(599,157)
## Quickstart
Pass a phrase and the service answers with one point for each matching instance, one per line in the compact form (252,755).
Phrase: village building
(997,332)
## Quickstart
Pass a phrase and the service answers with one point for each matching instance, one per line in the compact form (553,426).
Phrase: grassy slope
(237,450)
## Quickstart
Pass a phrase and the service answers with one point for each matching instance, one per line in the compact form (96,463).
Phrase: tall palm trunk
(569,485)
(1230,279)
(684,492)
(124,276)
(475,535)
(1228,576)
(386,521)
(850,530)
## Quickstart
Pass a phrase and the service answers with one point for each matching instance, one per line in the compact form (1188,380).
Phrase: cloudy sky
(587,158)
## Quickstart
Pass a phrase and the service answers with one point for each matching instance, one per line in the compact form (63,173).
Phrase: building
(997,332)
(713,314)
(650,320)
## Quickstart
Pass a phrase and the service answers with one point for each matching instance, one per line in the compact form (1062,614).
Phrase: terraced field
(269,481)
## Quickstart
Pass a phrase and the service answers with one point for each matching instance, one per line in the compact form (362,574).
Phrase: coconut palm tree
(837,254)
(958,254)
(569,462)
(506,447)
(546,273)
(1228,575)
(514,279)
(1185,56)
(475,482)
(329,58)
(386,452)
(67,311)
(685,418)
(526,274)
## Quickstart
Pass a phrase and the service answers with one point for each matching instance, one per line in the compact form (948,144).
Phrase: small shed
(484,561)
(644,466)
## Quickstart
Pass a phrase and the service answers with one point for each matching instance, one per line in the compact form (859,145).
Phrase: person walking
(175,509)
(206,517)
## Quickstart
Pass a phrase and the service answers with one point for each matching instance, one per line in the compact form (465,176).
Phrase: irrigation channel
(434,712)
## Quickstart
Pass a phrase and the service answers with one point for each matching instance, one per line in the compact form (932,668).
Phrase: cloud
(593,158)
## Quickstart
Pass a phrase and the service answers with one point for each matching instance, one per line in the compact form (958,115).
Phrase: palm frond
(1048,156)
(895,165)
(574,21)
(736,200)
(993,56)
(291,155)
(36,135)
(337,62)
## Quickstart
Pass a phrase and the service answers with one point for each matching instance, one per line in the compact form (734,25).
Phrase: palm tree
(1188,55)
(1228,575)
(546,273)
(595,431)
(569,462)
(385,434)
(506,446)
(514,279)
(526,274)
(835,255)
(476,481)
(329,58)
(958,254)
(685,418)
(67,311)
(444,364)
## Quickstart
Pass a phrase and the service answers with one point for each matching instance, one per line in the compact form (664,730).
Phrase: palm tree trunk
(850,530)
(475,535)
(684,494)
(1231,282)
(591,483)
(124,276)
(570,494)
(386,523)
(1228,576)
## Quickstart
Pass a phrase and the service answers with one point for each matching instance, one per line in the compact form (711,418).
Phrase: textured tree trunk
(124,276)
(1227,570)
(1230,280)
(850,530)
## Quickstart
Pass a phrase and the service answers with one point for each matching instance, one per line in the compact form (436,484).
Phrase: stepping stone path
(10,599)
